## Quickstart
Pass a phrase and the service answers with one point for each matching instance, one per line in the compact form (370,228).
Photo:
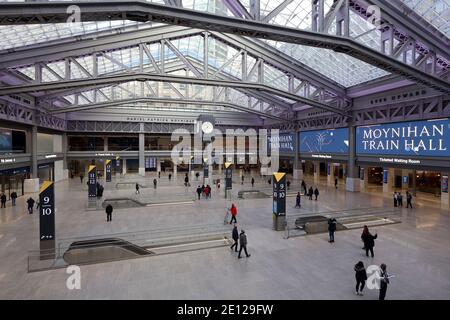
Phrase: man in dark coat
(199,192)
(310,193)
(109,210)
(235,236)
(3,200)
(384,281)
(243,244)
(316,192)
(14,197)
(30,203)
(332,223)
(408,199)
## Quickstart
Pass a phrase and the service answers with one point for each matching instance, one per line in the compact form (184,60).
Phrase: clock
(207,127)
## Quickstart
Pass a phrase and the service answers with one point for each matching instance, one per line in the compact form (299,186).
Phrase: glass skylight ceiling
(436,12)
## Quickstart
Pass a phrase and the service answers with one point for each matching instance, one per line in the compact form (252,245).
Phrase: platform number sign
(279,194)
(47,217)
(92,181)
(205,170)
(228,176)
(108,170)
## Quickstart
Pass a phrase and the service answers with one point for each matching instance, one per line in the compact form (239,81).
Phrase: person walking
(384,281)
(206,192)
(253,182)
(361,277)
(14,197)
(137,188)
(288,184)
(30,203)
(242,179)
(235,236)
(197,175)
(155,182)
(199,192)
(400,199)
(369,241)
(408,199)
(395,199)
(170,176)
(81,177)
(186,180)
(310,193)
(297,200)
(316,193)
(208,187)
(159,174)
(109,210)
(336,183)
(243,244)
(3,200)
(304,187)
(233,211)
(332,223)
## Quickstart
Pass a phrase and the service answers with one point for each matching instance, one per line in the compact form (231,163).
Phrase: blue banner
(284,141)
(324,141)
(418,138)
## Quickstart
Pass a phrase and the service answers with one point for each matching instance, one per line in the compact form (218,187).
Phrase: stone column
(65,149)
(364,178)
(330,174)
(316,165)
(388,181)
(141,154)
(445,194)
(352,182)
(158,165)
(297,173)
(124,166)
(32,185)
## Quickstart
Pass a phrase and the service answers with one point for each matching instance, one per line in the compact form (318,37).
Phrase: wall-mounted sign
(321,156)
(284,142)
(228,176)
(385,176)
(398,160)
(150,162)
(7,160)
(104,154)
(418,138)
(444,184)
(324,141)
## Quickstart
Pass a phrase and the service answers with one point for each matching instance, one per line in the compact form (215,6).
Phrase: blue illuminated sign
(324,141)
(417,138)
(284,142)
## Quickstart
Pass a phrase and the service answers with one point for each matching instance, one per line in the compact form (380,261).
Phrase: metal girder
(17,113)
(164,100)
(127,77)
(53,12)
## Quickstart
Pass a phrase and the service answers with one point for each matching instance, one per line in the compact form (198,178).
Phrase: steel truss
(299,80)
(428,66)
(28,115)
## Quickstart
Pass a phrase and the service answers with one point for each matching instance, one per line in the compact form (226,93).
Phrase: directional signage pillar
(108,170)
(47,220)
(279,201)
(92,182)
(228,176)
(206,173)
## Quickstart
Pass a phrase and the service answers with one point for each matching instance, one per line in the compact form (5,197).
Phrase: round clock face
(207,127)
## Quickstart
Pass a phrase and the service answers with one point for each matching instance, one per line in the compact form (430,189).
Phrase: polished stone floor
(416,251)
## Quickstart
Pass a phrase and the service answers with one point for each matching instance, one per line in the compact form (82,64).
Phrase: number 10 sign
(47,220)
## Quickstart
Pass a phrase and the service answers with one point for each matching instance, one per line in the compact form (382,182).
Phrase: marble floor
(416,251)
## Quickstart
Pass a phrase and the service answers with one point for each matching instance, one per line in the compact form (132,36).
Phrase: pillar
(388,179)
(32,185)
(364,178)
(297,173)
(158,165)
(316,165)
(352,182)
(105,143)
(445,195)
(124,166)
(330,174)
(65,148)
(175,170)
(141,154)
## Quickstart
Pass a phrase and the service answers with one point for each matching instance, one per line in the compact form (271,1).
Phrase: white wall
(59,171)
(44,143)
(57,143)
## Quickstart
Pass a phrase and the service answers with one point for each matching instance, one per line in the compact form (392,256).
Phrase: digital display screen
(5,140)
(324,141)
